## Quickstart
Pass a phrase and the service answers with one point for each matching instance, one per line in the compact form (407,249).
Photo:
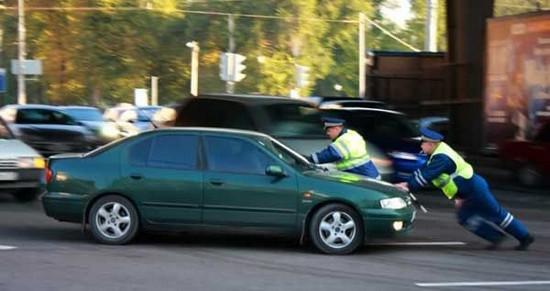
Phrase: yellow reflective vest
(352,148)
(444,181)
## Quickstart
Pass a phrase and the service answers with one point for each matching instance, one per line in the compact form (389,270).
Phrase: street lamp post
(194,67)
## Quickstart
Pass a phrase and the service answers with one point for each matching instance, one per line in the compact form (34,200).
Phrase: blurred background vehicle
(391,132)
(296,123)
(137,119)
(47,129)
(166,116)
(437,123)
(529,159)
(92,117)
(341,102)
(21,167)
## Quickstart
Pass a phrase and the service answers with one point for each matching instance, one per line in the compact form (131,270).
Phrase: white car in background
(21,167)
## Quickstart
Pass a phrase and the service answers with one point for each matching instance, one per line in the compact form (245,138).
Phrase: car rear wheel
(336,229)
(113,220)
(528,175)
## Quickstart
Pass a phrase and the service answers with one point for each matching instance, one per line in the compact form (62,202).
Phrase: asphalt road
(50,255)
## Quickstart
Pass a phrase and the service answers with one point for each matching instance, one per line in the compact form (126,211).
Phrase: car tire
(336,229)
(26,195)
(113,220)
(528,175)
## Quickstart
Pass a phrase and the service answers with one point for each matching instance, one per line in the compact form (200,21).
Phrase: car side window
(176,151)
(224,154)
(32,116)
(139,152)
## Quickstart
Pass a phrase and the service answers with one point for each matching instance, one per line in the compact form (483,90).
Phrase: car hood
(13,148)
(356,180)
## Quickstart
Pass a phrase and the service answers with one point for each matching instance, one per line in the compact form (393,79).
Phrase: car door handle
(216,182)
(136,176)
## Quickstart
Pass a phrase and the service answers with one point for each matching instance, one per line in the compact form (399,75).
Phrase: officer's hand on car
(402,186)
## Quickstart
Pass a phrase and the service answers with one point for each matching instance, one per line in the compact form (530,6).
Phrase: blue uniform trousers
(482,214)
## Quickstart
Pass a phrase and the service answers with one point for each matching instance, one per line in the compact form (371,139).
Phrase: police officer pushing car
(348,150)
(477,209)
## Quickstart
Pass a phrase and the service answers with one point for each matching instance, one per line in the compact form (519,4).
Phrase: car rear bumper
(64,206)
(13,179)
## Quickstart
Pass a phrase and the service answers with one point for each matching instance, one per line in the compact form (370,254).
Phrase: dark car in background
(48,129)
(390,131)
(296,123)
(92,117)
(180,178)
(344,102)
(529,159)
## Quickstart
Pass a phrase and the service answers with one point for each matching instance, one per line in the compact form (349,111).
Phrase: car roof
(211,130)
(78,107)
(254,99)
(363,109)
(32,106)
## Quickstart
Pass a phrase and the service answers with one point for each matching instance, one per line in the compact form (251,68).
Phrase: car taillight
(49,175)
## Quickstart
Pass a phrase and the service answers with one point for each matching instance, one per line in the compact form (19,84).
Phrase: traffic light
(224,67)
(302,76)
(238,67)
(232,67)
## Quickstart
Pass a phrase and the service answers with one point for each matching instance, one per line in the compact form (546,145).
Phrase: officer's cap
(332,121)
(430,135)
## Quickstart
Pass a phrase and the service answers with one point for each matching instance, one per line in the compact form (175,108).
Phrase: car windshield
(292,158)
(90,114)
(294,120)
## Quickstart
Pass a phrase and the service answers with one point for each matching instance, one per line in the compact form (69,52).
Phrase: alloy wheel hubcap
(113,220)
(337,229)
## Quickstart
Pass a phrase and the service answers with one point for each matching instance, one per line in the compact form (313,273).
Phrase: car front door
(237,190)
(163,173)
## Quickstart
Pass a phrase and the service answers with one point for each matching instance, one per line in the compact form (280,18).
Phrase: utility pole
(194,67)
(230,85)
(154,91)
(430,31)
(21,90)
(361,55)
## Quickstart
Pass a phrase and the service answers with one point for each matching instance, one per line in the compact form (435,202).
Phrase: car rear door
(163,174)
(238,192)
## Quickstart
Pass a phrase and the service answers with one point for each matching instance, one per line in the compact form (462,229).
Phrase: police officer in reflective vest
(348,150)
(477,209)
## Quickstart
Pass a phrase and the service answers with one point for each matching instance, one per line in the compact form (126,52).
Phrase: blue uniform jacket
(440,164)
(331,155)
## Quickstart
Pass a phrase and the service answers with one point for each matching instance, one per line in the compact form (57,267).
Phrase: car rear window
(294,120)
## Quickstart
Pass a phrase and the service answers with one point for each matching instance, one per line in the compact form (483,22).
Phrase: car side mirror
(275,171)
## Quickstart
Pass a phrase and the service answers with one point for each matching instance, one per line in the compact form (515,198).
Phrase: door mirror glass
(276,171)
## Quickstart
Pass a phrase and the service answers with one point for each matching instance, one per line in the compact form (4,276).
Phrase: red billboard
(517,76)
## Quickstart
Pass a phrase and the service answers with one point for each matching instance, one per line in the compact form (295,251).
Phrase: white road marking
(477,284)
(6,248)
(429,243)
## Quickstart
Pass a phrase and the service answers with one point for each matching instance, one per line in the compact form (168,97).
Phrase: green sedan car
(175,179)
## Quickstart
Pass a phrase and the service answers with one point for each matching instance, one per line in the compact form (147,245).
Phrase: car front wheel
(113,220)
(336,229)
